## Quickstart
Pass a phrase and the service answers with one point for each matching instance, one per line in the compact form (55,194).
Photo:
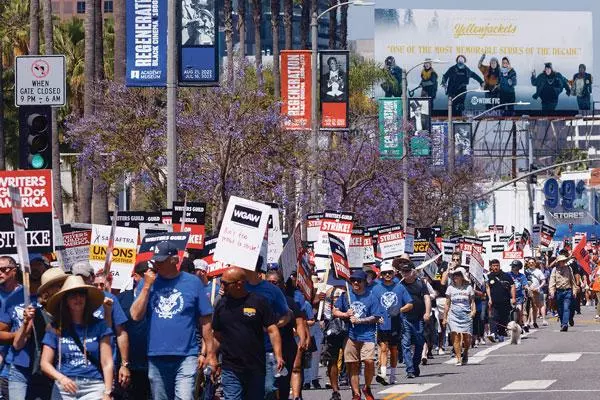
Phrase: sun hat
(386,265)
(94,297)
(50,277)
(463,272)
(561,257)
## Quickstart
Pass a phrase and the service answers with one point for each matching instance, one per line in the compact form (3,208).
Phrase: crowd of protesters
(260,337)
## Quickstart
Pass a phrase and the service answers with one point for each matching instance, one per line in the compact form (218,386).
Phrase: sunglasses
(6,270)
(387,273)
(354,280)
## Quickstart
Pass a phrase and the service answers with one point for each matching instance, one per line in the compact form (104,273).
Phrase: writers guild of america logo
(246,216)
(359,309)
(167,303)
(389,299)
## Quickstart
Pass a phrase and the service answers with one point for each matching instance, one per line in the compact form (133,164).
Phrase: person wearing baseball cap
(521,285)
(413,321)
(563,287)
(393,299)
(175,305)
(361,308)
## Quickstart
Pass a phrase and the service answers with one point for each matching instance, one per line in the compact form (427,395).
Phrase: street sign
(40,81)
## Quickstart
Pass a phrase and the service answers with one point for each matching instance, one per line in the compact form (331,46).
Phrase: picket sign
(20,239)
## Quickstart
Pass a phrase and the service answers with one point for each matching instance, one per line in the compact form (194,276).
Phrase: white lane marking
(529,385)
(562,357)
(409,388)
(472,360)
(479,394)
(497,346)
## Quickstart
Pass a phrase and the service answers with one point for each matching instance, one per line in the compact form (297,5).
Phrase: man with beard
(455,80)
(549,85)
(394,299)
(502,297)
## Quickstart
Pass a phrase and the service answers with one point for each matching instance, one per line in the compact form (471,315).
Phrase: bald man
(239,320)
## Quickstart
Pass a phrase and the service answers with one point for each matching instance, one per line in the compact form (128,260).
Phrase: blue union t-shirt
(12,315)
(174,307)
(73,362)
(391,299)
(364,306)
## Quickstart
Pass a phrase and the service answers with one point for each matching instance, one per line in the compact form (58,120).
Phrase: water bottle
(276,373)
(281,373)
(207,371)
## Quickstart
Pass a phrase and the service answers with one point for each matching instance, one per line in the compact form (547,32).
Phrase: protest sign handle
(213,290)
(348,294)
(322,302)
(184,213)
(26,291)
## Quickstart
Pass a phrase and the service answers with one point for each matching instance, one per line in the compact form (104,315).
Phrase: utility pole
(171,101)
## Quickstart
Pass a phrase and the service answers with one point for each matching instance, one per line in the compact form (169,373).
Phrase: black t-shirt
(287,331)
(241,323)
(417,291)
(500,283)
(436,283)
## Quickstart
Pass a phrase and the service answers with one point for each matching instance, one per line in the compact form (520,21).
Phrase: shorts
(359,351)
(392,338)
(331,348)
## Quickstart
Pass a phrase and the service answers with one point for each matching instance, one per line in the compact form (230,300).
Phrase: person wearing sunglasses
(362,309)
(239,320)
(394,299)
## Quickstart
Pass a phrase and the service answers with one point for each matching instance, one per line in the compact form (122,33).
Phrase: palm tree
(34,27)
(69,40)
(84,201)
(228,24)
(288,18)
(242,27)
(257,20)
(344,27)
(49,49)
(119,43)
(98,42)
(275,10)
(308,7)
(332,24)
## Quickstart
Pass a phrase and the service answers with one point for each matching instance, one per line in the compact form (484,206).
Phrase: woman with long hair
(459,312)
(77,353)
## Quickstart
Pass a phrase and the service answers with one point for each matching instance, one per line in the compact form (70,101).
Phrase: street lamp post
(452,158)
(405,141)
(314,139)
(171,101)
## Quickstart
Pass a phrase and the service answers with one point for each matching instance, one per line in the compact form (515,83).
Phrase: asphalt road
(548,364)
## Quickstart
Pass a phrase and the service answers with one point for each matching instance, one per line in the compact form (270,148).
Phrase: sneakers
(441,351)
(526,328)
(465,358)
(482,341)
(458,363)
(367,392)
(597,316)
(492,337)
(424,360)
(410,375)
(564,328)
(306,386)
(544,322)
(381,380)
(417,372)
(571,322)
(392,379)
(316,384)
(336,396)
(536,326)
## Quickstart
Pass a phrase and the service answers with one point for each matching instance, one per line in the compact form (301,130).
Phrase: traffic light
(35,137)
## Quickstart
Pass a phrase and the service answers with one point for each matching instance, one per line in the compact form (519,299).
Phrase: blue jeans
(22,385)
(412,333)
(242,386)
(564,297)
(87,389)
(271,364)
(172,377)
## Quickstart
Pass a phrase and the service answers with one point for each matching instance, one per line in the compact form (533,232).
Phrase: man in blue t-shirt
(394,299)
(363,312)
(175,304)
(112,313)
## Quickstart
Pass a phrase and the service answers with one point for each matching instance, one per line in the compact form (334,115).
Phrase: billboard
(296,80)
(528,39)
(197,28)
(334,88)
(146,26)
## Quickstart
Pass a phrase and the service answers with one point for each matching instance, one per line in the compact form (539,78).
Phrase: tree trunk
(34,27)
(257,20)
(332,24)
(241,25)
(85,182)
(275,10)
(307,8)
(228,23)
(288,18)
(119,50)
(98,42)
(344,27)
(56,181)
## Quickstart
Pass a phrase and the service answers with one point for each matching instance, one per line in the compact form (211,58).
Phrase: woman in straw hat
(77,352)
(459,312)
